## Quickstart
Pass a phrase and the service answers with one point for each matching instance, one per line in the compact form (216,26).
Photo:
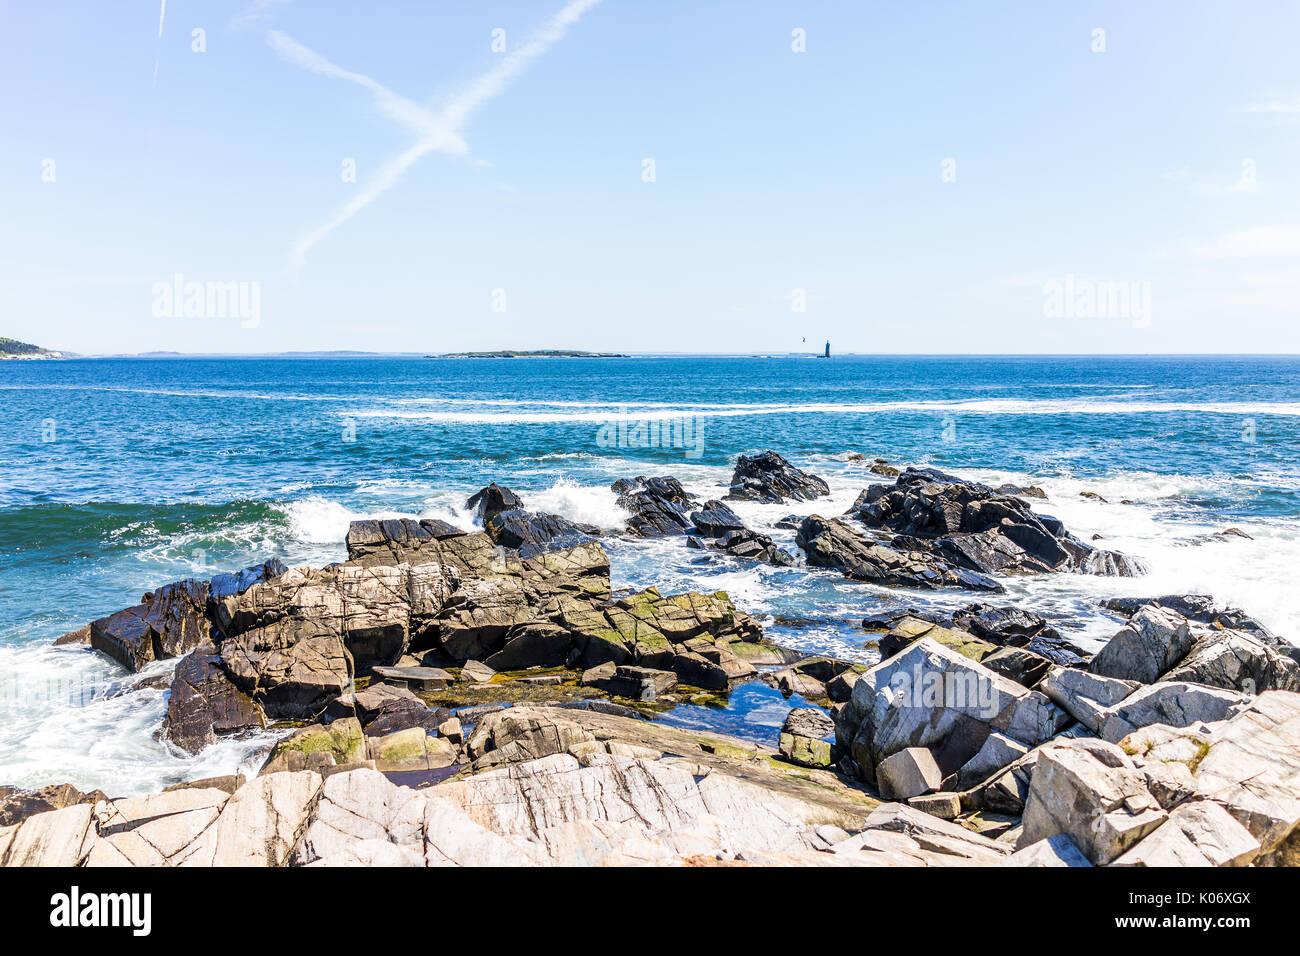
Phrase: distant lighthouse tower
(828,349)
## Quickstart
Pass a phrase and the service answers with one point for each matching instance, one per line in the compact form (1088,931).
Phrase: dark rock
(293,668)
(492,500)
(421,678)
(171,622)
(234,583)
(1021,665)
(790,522)
(770,478)
(1200,608)
(204,704)
(831,543)
(715,519)
(532,534)
(659,506)
(634,683)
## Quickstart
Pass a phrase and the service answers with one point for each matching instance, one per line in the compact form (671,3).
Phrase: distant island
(539,353)
(13,349)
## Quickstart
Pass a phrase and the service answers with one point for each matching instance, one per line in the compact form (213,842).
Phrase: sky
(733,176)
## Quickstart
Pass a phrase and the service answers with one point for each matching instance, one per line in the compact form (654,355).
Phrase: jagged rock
(383,709)
(1196,607)
(204,704)
(60,838)
(226,783)
(80,636)
(395,539)
(840,687)
(911,629)
(261,823)
(790,681)
(659,506)
(1200,833)
(1056,850)
(1237,661)
(831,543)
(1085,696)
(234,583)
(978,529)
(532,534)
(908,773)
(945,806)
(927,696)
(1089,790)
(635,683)
(1171,783)
(903,835)
(770,478)
(1151,643)
(715,519)
(171,621)
(752,546)
(489,502)
(17,805)
(1175,704)
(292,668)
(801,739)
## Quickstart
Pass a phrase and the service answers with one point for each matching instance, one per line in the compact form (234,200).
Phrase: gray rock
(808,722)
(908,773)
(1090,791)
(1085,696)
(1057,850)
(1153,641)
(1032,719)
(1237,661)
(999,751)
(1175,704)
(1200,833)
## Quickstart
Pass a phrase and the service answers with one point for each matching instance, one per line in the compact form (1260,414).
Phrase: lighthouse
(828,349)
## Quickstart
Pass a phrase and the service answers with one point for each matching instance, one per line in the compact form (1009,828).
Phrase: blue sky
(1167,166)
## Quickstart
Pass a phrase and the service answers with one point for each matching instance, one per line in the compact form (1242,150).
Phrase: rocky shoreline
(486,697)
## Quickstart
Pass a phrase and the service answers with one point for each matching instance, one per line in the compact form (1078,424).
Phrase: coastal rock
(769,478)
(752,546)
(1018,664)
(802,737)
(1200,608)
(634,683)
(1236,660)
(972,526)
(1151,643)
(908,773)
(1251,767)
(1090,791)
(1200,833)
(408,750)
(831,543)
(319,746)
(60,838)
(903,835)
(487,503)
(261,823)
(1085,696)
(715,519)
(234,583)
(1015,627)
(1056,850)
(658,506)
(421,678)
(927,696)
(205,704)
(292,668)
(998,751)
(911,629)
(17,805)
(532,534)
(1175,704)
(390,540)
(1032,719)
(171,621)
(476,672)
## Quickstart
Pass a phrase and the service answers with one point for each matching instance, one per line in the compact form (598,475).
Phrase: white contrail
(439,132)
(162,15)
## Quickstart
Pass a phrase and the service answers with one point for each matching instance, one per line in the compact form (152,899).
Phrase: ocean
(118,475)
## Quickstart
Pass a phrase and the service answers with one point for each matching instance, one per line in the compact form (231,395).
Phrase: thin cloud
(257,12)
(440,132)
(1274,107)
(1259,242)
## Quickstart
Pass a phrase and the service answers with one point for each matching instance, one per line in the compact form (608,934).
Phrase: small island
(13,349)
(538,353)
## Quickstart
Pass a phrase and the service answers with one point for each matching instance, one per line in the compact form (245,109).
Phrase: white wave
(586,504)
(978,407)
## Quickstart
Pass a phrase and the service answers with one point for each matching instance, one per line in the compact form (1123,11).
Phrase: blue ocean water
(117,475)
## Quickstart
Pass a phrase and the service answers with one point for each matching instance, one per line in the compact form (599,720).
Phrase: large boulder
(292,668)
(1090,791)
(205,704)
(1151,643)
(487,503)
(532,533)
(1236,660)
(1200,608)
(832,543)
(928,696)
(394,539)
(1200,833)
(1084,696)
(658,506)
(978,528)
(769,478)
(1172,703)
(170,622)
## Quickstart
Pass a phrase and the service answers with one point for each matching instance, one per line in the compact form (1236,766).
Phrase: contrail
(162,15)
(439,132)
